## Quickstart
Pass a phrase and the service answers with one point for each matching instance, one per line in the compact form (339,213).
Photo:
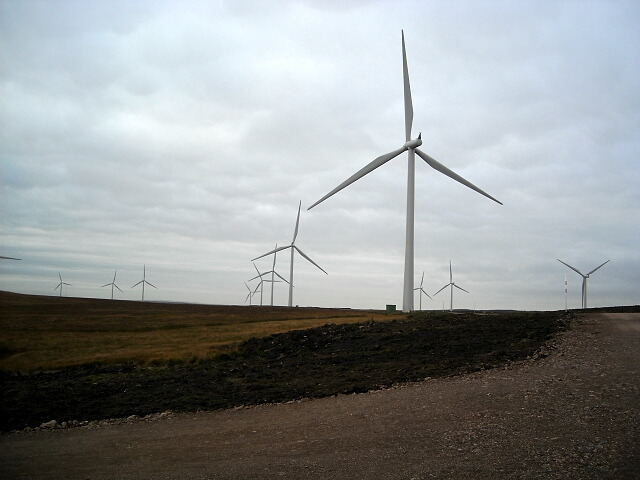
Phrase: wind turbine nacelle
(415,143)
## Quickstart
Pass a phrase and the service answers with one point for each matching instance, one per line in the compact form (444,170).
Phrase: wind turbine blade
(105,285)
(381,160)
(597,268)
(572,268)
(151,284)
(117,287)
(459,288)
(281,277)
(10,258)
(422,290)
(254,266)
(245,284)
(421,281)
(408,104)
(450,273)
(137,284)
(295,233)
(441,289)
(451,174)
(272,251)
(60,277)
(305,256)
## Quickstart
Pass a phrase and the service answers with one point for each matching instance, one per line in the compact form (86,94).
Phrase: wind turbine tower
(143,281)
(450,284)
(584,279)
(294,248)
(410,146)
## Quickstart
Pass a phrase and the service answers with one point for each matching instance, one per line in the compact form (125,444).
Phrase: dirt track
(572,415)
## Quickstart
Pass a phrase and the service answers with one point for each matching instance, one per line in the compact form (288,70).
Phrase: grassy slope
(43,333)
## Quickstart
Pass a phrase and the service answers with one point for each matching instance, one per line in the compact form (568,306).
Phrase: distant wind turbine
(113,284)
(421,290)
(584,279)
(272,281)
(61,284)
(293,248)
(143,281)
(411,147)
(249,295)
(450,284)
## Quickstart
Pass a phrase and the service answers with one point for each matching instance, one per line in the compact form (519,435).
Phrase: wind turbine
(143,281)
(450,284)
(584,279)
(272,281)
(410,146)
(113,284)
(421,290)
(293,248)
(249,295)
(61,284)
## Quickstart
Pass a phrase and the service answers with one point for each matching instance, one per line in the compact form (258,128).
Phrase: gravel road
(572,413)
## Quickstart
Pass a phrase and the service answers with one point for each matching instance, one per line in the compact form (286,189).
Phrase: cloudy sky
(183,134)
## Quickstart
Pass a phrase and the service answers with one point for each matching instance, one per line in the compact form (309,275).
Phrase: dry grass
(44,333)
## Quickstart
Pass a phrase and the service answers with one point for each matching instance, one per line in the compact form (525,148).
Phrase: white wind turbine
(584,279)
(113,284)
(143,281)
(249,295)
(421,290)
(293,248)
(273,274)
(410,146)
(450,284)
(261,282)
(59,286)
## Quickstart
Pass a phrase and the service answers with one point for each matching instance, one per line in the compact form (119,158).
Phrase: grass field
(45,333)
(85,359)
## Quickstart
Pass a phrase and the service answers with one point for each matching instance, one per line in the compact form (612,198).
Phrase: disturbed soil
(311,363)
(570,411)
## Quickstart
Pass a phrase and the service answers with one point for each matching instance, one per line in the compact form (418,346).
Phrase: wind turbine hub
(415,143)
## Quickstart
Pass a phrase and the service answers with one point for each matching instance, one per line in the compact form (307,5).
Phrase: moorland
(76,359)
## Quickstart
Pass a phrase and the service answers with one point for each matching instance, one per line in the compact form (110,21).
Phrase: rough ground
(574,414)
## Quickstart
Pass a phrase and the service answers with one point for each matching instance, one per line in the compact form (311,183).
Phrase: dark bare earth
(574,414)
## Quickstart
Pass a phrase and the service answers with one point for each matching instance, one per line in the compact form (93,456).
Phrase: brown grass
(44,333)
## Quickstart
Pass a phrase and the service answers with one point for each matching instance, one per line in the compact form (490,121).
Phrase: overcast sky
(183,134)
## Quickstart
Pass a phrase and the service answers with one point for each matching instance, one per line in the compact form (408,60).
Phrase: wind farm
(181,134)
